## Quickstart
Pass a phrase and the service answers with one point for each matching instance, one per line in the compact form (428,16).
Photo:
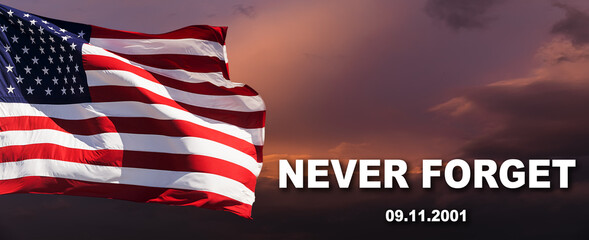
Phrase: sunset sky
(371,79)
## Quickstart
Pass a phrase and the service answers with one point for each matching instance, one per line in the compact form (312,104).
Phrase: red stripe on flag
(215,34)
(117,93)
(205,88)
(173,128)
(135,159)
(259,153)
(47,185)
(189,63)
(97,62)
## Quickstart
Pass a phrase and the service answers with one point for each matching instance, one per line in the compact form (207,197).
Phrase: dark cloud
(540,115)
(574,25)
(543,119)
(248,11)
(461,14)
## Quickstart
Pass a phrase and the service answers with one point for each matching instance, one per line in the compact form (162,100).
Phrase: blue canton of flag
(41,61)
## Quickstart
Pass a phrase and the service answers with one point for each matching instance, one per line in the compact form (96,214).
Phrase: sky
(380,79)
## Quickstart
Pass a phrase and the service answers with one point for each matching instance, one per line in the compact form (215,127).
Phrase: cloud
(461,14)
(541,115)
(562,49)
(347,149)
(248,11)
(573,26)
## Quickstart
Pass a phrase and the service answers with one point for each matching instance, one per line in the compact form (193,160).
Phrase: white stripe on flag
(129,79)
(133,142)
(81,111)
(124,175)
(187,46)
(215,78)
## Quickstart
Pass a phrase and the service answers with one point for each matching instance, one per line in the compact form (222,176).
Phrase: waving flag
(90,111)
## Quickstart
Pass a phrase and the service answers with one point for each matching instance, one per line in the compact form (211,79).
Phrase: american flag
(91,111)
